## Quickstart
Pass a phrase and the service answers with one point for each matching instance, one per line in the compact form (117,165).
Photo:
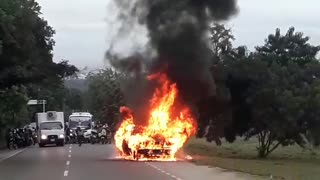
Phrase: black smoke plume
(178,40)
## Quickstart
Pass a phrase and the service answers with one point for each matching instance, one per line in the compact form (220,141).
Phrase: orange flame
(165,133)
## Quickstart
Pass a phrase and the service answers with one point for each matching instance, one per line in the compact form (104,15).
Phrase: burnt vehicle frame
(138,153)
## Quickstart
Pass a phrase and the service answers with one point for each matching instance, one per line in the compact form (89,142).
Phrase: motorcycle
(12,144)
(109,137)
(72,138)
(19,141)
(94,137)
(34,138)
(103,139)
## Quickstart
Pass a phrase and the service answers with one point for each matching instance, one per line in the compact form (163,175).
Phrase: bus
(80,119)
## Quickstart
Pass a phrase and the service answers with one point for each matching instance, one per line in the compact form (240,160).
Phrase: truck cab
(50,128)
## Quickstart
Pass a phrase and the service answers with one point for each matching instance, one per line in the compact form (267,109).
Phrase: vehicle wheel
(136,156)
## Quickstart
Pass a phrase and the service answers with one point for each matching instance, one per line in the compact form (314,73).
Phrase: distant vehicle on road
(82,120)
(50,128)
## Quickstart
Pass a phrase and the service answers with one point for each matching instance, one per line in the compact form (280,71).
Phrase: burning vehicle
(178,58)
(169,126)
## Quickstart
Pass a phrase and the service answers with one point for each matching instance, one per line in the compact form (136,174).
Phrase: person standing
(79,133)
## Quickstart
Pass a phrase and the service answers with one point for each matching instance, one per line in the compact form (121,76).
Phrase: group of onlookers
(20,137)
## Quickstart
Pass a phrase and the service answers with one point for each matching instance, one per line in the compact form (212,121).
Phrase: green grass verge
(290,162)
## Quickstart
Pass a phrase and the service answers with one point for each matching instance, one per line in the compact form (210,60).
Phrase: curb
(11,155)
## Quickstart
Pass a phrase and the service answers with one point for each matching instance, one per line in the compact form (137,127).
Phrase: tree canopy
(27,69)
(269,93)
(104,96)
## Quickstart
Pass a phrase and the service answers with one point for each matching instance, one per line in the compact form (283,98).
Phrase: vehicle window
(51,126)
(84,122)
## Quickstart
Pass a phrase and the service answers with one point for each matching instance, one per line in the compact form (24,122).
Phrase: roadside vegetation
(290,162)
(27,69)
(270,94)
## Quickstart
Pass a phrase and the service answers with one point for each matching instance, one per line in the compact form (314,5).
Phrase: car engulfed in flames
(170,124)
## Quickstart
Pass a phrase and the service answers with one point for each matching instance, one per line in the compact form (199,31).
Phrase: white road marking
(11,155)
(173,176)
(164,172)
(66,173)
(69,151)
(68,163)
(69,156)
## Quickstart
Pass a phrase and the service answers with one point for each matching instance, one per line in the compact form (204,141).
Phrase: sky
(85,28)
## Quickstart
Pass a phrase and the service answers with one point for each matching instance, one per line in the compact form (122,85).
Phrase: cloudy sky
(85,28)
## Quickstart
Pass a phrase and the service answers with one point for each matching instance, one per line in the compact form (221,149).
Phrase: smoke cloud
(178,41)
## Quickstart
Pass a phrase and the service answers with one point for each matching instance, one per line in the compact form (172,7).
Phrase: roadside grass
(291,162)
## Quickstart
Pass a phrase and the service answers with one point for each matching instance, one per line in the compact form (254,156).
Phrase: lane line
(65,173)
(69,156)
(162,171)
(68,163)
(11,155)
(69,151)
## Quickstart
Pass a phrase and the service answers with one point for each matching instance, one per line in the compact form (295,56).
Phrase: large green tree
(270,93)
(277,95)
(27,69)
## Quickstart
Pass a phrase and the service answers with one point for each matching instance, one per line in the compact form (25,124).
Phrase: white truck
(82,120)
(50,128)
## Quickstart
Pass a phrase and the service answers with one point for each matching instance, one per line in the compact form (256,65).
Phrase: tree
(293,46)
(221,39)
(74,100)
(52,88)
(104,96)
(13,108)
(310,120)
(26,44)
(268,93)
(26,66)
(276,111)
(214,112)
(276,96)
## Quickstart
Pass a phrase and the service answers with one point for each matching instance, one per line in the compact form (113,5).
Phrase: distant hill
(80,84)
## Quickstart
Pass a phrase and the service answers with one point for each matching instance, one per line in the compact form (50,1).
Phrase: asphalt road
(98,162)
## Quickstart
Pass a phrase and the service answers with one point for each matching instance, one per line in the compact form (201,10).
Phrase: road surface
(97,162)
